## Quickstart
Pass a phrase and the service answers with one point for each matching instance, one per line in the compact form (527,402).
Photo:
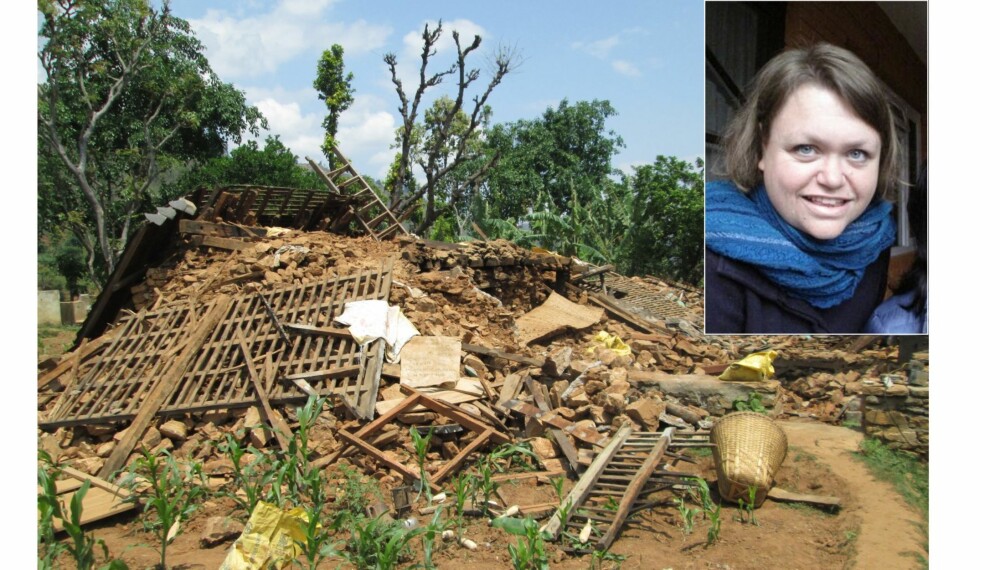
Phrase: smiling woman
(797,240)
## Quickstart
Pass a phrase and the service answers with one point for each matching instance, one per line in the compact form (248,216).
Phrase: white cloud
(599,48)
(254,45)
(301,133)
(625,68)
(367,129)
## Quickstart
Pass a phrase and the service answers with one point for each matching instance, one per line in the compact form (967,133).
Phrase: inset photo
(816,152)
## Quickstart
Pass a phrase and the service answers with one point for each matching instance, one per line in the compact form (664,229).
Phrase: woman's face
(820,162)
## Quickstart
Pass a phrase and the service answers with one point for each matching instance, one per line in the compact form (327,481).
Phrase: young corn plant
(529,552)
(487,487)
(512,455)
(253,478)
(377,544)
(173,499)
(687,515)
(422,446)
(715,524)
(49,509)
(751,506)
(464,487)
(428,538)
(705,496)
(598,557)
(318,538)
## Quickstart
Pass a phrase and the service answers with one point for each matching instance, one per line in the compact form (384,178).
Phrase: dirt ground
(874,529)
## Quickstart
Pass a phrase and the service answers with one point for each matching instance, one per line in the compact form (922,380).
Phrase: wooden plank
(447,468)
(511,386)
(281,431)
(567,447)
(486,351)
(582,488)
(591,273)
(322,331)
(71,361)
(198,227)
(538,394)
(164,386)
(381,458)
(782,495)
(634,487)
(222,243)
(338,372)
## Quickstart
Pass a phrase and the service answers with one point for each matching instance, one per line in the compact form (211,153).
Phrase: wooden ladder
(629,467)
(373,212)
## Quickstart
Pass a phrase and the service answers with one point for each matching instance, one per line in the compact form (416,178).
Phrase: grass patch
(807,509)
(803,455)
(47,332)
(699,452)
(908,475)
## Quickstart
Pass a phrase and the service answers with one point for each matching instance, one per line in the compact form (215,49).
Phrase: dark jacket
(893,317)
(740,299)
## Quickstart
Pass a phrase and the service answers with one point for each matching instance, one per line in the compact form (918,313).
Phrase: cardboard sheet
(555,314)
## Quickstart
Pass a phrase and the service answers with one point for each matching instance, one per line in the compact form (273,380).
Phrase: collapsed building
(224,314)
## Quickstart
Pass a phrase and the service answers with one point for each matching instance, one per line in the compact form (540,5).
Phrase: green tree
(273,165)
(127,94)
(565,152)
(443,142)
(666,233)
(336,93)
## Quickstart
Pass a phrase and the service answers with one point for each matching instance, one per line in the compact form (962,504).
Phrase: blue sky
(644,56)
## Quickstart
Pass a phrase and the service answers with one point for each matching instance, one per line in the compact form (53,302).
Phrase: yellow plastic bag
(611,341)
(756,367)
(269,538)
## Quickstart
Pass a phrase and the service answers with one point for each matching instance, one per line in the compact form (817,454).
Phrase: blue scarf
(824,273)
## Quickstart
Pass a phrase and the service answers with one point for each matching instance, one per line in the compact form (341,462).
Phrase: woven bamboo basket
(749,449)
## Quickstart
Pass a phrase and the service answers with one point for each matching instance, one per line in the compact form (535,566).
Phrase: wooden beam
(339,372)
(222,243)
(197,227)
(322,331)
(591,273)
(164,386)
(71,361)
(281,430)
(486,351)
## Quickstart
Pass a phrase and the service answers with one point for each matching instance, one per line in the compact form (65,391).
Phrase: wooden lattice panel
(146,344)
(219,378)
(112,385)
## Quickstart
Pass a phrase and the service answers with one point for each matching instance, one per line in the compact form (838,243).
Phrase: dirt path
(889,535)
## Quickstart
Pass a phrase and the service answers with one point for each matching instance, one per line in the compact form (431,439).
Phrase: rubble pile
(564,394)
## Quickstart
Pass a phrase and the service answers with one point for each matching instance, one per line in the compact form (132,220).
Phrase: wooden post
(164,386)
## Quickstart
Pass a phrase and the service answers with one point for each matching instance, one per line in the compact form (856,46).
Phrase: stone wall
(894,408)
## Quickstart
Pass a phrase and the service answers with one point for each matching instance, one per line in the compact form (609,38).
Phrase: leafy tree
(667,220)
(127,94)
(274,165)
(565,152)
(336,92)
(443,142)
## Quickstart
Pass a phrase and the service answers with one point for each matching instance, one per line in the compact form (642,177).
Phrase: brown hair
(827,66)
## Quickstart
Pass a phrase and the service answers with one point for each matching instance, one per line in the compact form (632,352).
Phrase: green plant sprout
(687,515)
(174,497)
(422,445)
(529,552)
